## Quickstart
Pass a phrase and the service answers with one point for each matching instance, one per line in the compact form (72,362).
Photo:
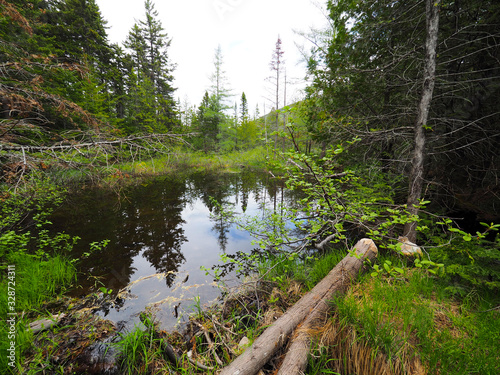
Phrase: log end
(366,248)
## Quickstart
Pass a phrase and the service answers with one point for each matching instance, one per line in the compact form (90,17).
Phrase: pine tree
(150,76)
(244,108)
(277,66)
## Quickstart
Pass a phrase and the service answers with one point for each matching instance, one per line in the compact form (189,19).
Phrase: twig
(322,244)
(494,308)
(215,323)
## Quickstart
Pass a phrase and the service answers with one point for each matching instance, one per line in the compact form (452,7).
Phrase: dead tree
(313,304)
(417,170)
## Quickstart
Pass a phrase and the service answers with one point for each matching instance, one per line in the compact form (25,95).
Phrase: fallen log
(43,324)
(295,361)
(314,302)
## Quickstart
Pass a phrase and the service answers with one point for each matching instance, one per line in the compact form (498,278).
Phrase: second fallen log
(275,336)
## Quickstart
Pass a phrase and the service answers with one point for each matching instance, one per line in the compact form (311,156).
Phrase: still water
(160,233)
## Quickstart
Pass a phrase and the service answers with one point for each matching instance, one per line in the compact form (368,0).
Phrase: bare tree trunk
(417,163)
(275,336)
(295,362)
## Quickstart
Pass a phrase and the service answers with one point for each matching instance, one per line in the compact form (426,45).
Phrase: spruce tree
(208,122)
(35,87)
(151,105)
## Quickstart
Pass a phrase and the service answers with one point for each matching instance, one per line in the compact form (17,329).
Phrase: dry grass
(352,355)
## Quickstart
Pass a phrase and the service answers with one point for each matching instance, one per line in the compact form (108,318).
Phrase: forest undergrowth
(433,315)
(403,323)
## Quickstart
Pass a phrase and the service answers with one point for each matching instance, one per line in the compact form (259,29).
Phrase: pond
(160,235)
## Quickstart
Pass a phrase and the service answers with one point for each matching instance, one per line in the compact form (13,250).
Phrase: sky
(246,30)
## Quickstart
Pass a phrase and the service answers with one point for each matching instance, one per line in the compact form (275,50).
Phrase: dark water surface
(160,234)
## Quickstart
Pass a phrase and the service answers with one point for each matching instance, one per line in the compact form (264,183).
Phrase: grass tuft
(408,326)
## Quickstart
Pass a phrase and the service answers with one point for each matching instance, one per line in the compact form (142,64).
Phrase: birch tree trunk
(417,163)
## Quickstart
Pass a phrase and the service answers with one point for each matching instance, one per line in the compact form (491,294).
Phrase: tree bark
(417,164)
(314,302)
(295,362)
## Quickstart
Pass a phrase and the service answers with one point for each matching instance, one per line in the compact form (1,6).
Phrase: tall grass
(41,269)
(409,324)
(182,160)
(37,281)
(142,352)
(413,326)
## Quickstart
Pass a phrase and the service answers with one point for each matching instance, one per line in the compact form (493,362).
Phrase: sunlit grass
(179,161)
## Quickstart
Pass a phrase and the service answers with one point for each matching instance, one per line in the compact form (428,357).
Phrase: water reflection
(163,227)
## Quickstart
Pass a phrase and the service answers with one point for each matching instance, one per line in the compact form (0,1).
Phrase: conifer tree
(277,66)
(218,96)
(208,122)
(150,75)
(244,108)
(219,84)
(35,87)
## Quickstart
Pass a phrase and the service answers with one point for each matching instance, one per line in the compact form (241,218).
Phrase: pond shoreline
(155,241)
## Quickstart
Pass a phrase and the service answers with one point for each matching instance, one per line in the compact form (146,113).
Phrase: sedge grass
(418,328)
(141,350)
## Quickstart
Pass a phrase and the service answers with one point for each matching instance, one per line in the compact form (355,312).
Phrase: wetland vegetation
(160,240)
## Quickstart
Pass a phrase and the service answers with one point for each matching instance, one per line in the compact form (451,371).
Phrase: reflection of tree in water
(162,231)
(221,224)
(94,216)
(149,221)
(218,188)
(224,187)
(248,181)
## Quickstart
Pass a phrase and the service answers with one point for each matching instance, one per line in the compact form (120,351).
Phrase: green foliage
(470,264)
(46,55)
(389,268)
(141,349)
(432,267)
(28,205)
(367,72)
(40,259)
(413,317)
(150,105)
(336,200)
(207,122)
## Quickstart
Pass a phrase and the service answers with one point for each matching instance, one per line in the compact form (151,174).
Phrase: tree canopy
(368,78)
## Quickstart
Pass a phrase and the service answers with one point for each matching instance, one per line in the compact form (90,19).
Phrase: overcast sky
(246,30)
